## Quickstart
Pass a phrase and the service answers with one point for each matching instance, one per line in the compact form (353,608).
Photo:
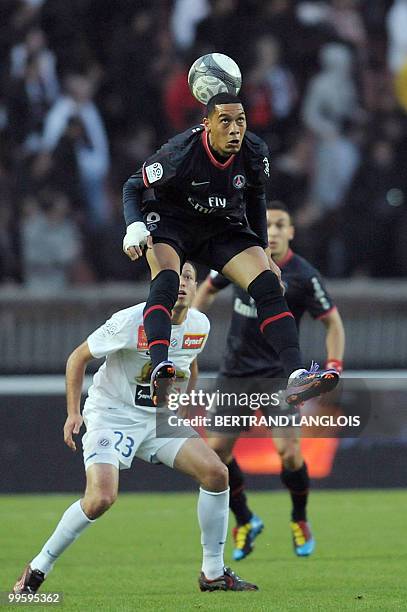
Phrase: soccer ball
(213,73)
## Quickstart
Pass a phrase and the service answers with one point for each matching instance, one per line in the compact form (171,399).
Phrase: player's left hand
(136,238)
(72,426)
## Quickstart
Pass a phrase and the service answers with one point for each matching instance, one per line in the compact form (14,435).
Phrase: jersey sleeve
(115,334)
(206,327)
(161,168)
(318,301)
(258,173)
(218,281)
(157,171)
(258,162)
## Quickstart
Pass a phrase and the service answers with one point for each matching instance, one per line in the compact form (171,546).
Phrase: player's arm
(207,291)
(194,375)
(256,211)
(321,306)
(158,171)
(136,234)
(183,411)
(258,173)
(334,339)
(205,295)
(74,375)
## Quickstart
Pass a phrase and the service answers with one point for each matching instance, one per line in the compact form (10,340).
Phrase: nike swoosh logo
(195,184)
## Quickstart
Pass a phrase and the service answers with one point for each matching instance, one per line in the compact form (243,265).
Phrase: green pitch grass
(144,554)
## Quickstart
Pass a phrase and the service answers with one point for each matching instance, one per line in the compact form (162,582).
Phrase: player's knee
(215,476)
(164,287)
(265,286)
(291,456)
(96,504)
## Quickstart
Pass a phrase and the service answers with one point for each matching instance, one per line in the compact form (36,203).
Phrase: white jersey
(123,379)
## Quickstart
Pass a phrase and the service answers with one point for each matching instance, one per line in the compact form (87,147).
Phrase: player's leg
(196,459)
(102,480)
(223,447)
(248,525)
(200,462)
(294,475)
(164,264)
(250,269)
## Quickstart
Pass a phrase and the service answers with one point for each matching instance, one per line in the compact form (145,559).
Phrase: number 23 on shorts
(124,444)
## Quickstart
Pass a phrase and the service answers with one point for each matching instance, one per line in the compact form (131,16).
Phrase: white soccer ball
(212,74)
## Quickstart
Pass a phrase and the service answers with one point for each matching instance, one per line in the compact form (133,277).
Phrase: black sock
(237,499)
(157,314)
(276,321)
(297,482)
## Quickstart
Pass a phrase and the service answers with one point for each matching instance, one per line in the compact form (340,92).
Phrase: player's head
(280,229)
(187,286)
(225,123)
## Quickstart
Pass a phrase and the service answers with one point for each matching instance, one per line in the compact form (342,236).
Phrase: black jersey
(247,352)
(190,182)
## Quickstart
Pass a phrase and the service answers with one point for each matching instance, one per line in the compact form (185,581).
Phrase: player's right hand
(72,426)
(137,236)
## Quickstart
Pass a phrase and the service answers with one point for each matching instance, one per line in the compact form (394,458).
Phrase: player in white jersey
(120,424)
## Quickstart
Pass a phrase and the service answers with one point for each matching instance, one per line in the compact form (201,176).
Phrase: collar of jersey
(213,160)
(283,262)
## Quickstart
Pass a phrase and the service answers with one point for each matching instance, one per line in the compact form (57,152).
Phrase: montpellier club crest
(239,181)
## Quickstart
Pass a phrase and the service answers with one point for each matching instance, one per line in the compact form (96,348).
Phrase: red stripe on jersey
(275,318)
(156,307)
(145,180)
(213,159)
(325,314)
(158,342)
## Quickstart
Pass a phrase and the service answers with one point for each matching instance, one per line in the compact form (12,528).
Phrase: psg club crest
(239,181)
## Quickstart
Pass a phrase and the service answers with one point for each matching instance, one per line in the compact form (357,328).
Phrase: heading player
(120,424)
(209,190)
(247,356)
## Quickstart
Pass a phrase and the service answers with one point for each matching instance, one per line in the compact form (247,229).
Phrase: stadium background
(324,83)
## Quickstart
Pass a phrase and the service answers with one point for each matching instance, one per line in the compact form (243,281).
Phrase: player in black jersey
(209,206)
(247,356)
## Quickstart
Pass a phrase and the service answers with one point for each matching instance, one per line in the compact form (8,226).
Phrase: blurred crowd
(90,88)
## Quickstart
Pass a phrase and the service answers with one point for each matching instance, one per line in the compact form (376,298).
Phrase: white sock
(69,528)
(213,517)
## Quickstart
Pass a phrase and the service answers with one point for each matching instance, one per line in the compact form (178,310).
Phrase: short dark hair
(193,266)
(278,205)
(221,98)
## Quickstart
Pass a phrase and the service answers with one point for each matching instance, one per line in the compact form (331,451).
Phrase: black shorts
(209,242)
(256,390)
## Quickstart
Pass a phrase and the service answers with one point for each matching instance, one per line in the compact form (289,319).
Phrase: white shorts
(117,436)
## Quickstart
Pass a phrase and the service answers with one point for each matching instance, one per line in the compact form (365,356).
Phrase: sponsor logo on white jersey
(142,342)
(193,341)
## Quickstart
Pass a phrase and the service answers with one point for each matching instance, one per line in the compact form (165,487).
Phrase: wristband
(334,364)
(136,235)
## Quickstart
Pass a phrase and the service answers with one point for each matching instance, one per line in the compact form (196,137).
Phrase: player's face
(187,286)
(226,127)
(280,231)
